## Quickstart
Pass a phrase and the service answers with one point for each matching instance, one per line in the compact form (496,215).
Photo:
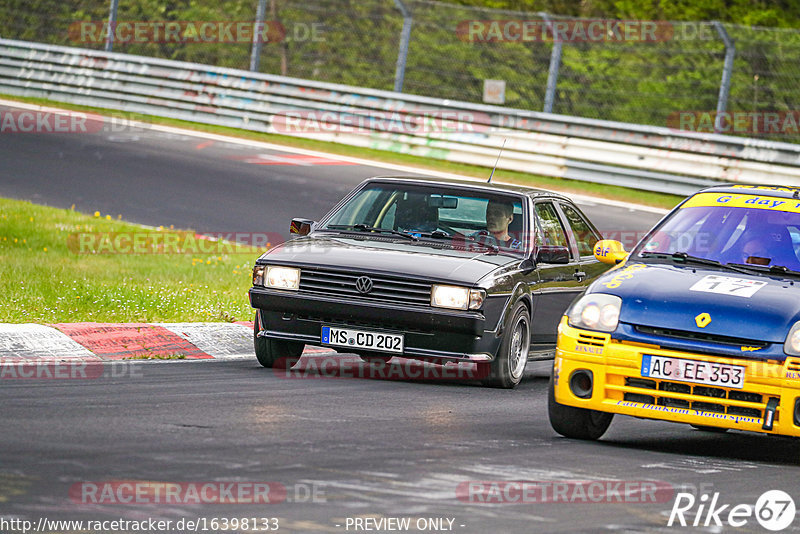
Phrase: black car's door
(583,236)
(558,284)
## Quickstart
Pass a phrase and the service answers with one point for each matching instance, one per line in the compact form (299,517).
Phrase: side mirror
(301,226)
(609,251)
(552,254)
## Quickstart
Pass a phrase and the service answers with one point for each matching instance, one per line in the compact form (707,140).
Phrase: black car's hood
(423,259)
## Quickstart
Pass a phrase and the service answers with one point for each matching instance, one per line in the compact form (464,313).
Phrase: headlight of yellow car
(282,277)
(596,311)
(792,344)
(457,297)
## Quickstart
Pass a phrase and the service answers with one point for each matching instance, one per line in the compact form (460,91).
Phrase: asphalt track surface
(368,447)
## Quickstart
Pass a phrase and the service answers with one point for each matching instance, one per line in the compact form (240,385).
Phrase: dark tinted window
(550,231)
(584,235)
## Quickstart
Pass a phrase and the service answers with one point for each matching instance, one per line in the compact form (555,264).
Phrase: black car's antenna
(496,161)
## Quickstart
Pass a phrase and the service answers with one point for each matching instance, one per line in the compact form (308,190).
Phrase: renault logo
(364,284)
(702,320)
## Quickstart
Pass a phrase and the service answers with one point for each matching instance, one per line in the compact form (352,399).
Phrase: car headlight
(258,275)
(792,344)
(457,297)
(282,277)
(596,311)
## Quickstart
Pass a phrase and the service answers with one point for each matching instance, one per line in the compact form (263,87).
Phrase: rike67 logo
(774,510)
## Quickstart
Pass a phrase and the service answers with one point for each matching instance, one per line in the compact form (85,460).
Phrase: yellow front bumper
(620,388)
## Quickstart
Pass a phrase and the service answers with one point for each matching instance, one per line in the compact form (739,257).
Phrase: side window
(584,235)
(550,231)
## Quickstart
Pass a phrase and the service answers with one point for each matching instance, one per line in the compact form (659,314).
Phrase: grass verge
(659,200)
(50,274)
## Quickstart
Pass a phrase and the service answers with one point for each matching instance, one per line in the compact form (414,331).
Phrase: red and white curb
(36,342)
(98,342)
(122,341)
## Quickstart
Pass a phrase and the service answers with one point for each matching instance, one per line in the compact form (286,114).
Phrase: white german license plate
(362,339)
(698,372)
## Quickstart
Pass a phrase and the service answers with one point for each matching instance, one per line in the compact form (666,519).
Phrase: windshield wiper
(365,228)
(441,234)
(771,269)
(683,257)
(494,249)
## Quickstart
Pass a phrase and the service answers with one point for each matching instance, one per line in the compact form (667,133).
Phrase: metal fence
(428,48)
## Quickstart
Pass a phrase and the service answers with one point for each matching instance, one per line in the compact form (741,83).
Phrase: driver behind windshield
(499,215)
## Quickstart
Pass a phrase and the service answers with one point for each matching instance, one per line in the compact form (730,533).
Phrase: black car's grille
(384,288)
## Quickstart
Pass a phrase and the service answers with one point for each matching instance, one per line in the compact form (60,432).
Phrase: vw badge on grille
(364,284)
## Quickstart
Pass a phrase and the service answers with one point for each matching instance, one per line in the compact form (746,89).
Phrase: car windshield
(736,229)
(439,212)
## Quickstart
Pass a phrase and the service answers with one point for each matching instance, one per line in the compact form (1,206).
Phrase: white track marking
(220,340)
(36,342)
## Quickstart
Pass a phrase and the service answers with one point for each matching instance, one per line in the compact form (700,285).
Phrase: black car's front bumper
(429,332)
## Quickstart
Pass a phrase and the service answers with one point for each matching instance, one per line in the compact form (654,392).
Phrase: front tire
(275,353)
(576,423)
(506,370)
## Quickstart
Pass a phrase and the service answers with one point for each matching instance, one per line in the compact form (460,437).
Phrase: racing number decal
(726,285)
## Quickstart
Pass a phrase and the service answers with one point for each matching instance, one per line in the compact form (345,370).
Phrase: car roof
(781,191)
(489,187)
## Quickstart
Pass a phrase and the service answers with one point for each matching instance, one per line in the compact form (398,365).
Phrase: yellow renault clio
(698,324)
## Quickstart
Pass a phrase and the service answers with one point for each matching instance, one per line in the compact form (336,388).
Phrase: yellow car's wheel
(577,423)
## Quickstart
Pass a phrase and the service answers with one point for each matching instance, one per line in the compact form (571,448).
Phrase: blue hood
(658,295)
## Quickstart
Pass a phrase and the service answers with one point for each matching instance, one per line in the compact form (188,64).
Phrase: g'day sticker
(726,285)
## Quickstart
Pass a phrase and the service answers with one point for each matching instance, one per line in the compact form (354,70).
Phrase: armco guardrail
(642,157)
